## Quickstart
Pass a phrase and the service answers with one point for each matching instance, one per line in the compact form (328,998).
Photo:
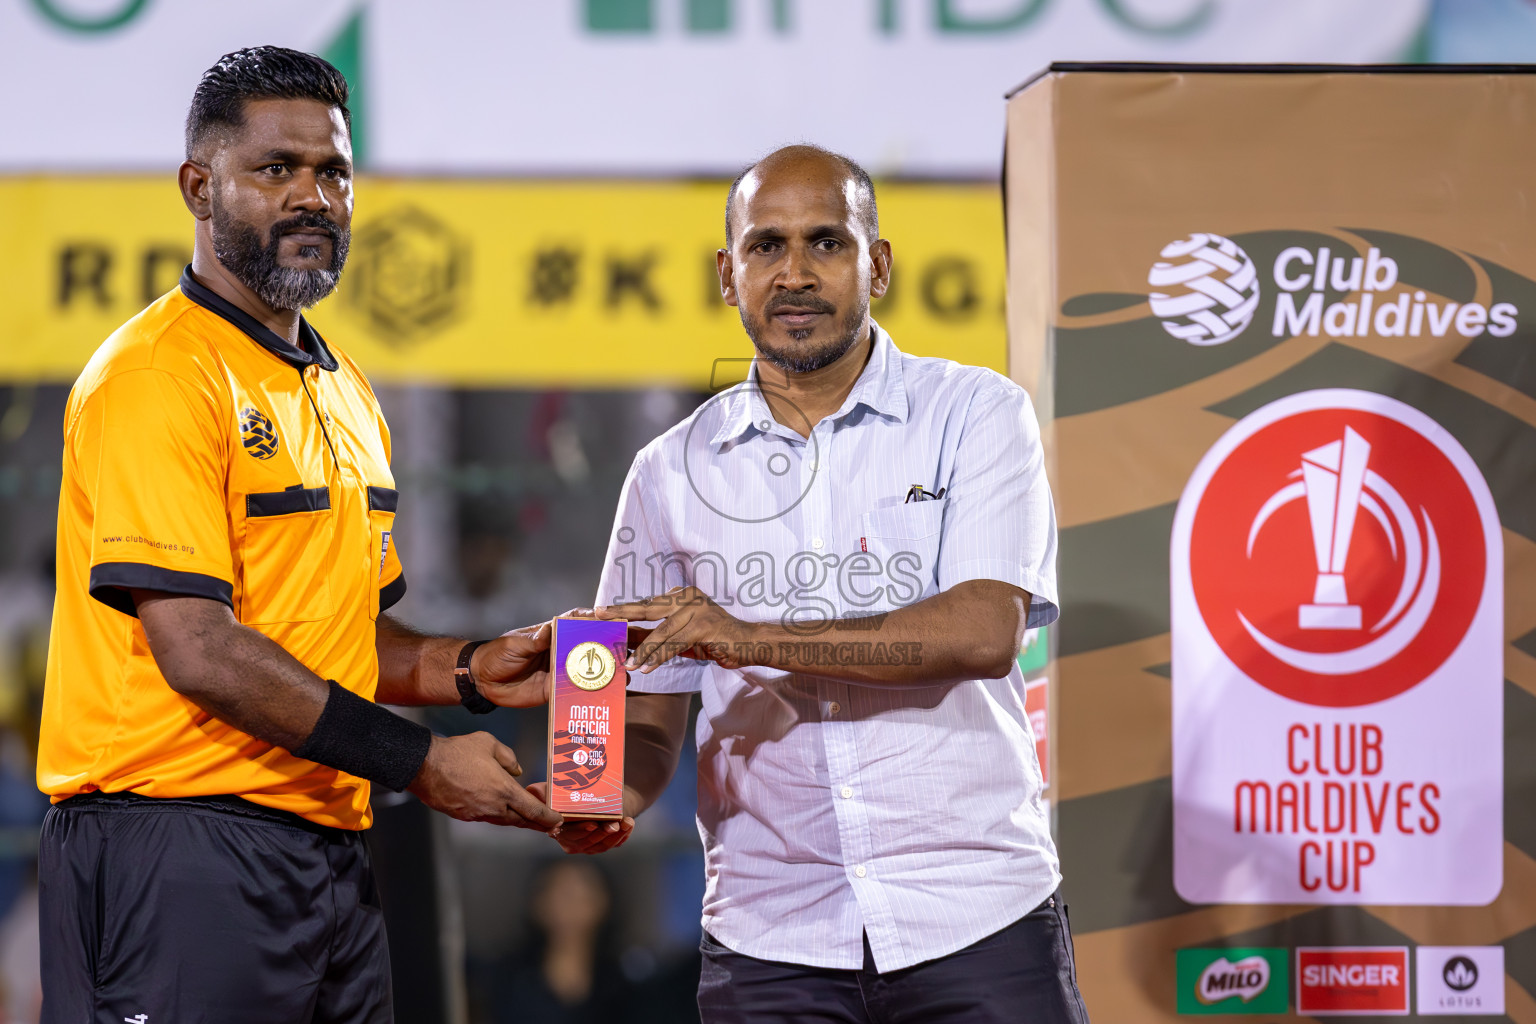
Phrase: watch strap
(469,693)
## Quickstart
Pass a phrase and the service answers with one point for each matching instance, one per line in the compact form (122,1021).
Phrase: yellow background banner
(492,283)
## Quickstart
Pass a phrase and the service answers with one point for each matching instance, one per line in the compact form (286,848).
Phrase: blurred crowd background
(532,296)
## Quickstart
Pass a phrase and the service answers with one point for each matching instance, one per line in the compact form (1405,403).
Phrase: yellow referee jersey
(205,456)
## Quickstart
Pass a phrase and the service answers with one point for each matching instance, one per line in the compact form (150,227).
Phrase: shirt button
(860,871)
(847,792)
(834,708)
(816,542)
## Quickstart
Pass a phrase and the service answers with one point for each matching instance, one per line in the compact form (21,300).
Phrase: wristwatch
(469,695)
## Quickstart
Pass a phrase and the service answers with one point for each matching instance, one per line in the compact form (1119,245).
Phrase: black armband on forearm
(357,736)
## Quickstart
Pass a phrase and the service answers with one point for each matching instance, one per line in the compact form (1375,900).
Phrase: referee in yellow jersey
(225,555)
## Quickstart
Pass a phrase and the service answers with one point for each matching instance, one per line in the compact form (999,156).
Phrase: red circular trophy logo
(1337,555)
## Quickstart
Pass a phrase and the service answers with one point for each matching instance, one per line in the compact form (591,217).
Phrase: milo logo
(1224,979)
(1233,981)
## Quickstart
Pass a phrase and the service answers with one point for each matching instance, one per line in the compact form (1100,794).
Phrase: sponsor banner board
(1459,981)
(1352,981)
(1281,348)
(473,86)
(1237,980)
(492,284)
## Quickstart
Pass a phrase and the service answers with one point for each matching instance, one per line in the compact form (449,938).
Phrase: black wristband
(357,736)
(469,694)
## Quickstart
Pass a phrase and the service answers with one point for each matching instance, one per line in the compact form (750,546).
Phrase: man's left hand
(692,626)
(512,671)
(577,836)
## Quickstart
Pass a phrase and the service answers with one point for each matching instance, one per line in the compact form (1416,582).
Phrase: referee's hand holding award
(512,671)
(472,777)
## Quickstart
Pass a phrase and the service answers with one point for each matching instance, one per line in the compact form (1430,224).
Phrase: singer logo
(1337,553)
(1352,980)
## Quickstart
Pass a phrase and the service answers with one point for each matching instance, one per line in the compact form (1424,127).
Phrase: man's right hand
(472,778)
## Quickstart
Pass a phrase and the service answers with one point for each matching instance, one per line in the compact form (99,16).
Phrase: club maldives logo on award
(1337,633)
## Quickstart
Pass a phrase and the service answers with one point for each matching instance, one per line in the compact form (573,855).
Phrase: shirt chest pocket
(905,540)
(289,547)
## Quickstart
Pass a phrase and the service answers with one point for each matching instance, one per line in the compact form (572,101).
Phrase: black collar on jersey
(312,351)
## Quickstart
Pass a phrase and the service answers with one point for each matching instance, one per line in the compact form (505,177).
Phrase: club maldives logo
(1205,290)
(1337,550)
(257,434)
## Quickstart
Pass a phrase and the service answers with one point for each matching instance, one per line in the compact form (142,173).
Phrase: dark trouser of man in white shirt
(1023,973)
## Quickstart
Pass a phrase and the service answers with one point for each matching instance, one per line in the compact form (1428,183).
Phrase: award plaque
(586,718)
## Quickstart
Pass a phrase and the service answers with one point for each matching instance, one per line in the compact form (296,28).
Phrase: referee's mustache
(307,221)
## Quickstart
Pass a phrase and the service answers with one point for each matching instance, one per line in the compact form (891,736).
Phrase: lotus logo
(1460,973)
(1222,979)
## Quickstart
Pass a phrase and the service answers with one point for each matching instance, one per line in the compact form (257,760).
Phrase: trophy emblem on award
(590,665)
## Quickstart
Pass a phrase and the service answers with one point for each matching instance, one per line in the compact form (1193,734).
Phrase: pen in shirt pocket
(917,492)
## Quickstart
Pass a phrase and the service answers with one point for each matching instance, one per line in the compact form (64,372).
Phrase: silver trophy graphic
(1333,476)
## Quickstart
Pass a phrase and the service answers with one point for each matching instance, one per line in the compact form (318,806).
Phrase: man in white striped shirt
(843,554)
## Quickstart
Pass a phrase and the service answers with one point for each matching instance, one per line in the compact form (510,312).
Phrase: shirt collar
(313,349)
(882,387)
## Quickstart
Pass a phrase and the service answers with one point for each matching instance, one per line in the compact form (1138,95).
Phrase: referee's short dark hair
(260,73)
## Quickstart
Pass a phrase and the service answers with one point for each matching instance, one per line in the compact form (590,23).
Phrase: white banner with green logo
(630,86)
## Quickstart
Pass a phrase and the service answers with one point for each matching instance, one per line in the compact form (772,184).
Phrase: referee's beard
(237,245)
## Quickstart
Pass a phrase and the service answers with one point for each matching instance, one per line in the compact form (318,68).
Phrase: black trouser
(1023,973)
(208,910)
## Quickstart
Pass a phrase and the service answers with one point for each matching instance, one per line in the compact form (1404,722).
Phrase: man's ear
(196,181)
(880,268)
(727,271)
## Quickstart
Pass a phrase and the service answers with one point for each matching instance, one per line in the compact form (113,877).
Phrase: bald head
(809,163)
(803,257)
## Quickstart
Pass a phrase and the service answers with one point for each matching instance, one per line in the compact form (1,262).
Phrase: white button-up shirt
(909,813)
